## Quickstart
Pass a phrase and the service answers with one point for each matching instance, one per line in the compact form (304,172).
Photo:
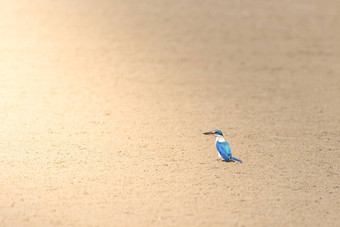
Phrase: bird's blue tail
(235,159)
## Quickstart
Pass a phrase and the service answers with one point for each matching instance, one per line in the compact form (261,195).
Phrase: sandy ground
(103,105)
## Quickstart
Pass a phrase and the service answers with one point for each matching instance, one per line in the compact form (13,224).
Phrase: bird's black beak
(208,133)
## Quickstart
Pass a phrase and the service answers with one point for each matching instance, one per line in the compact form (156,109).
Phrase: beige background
(103,105)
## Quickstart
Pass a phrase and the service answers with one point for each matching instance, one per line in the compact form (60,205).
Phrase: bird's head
(216,133)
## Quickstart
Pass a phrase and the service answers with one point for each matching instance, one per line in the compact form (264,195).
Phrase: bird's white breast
(221,140)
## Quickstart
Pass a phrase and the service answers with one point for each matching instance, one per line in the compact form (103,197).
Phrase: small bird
(222,146)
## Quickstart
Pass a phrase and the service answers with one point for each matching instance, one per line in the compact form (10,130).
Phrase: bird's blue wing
(224,150)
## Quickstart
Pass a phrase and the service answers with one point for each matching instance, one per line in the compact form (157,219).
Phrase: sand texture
(103,105)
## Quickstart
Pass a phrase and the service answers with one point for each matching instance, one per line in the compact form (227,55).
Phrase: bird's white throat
(220,139)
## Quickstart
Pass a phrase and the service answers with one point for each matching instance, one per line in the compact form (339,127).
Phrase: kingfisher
(222,146)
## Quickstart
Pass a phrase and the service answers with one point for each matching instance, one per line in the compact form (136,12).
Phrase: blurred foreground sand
(103,105)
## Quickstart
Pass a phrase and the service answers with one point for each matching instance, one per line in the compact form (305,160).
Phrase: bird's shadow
(222,160)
